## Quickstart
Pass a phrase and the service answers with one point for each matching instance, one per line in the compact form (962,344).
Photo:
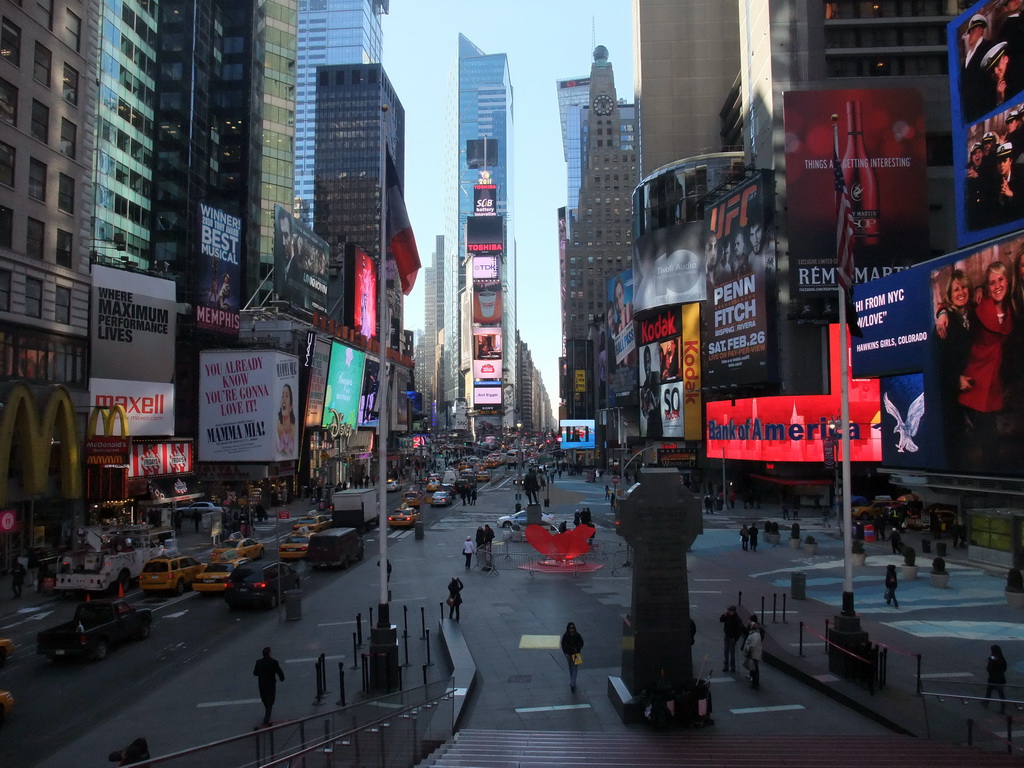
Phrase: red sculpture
(560,546)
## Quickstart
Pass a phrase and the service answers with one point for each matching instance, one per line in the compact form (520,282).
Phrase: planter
(859,558)
(1015,599)
(909,572)
(811,549)
(772,538)
(940,580)
(794,543)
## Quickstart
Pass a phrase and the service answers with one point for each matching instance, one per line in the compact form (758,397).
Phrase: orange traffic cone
(120,589)
(88,597)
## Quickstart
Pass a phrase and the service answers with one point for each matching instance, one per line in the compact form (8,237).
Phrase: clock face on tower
(603,104)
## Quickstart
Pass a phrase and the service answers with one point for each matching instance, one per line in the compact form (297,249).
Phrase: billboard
(487,369)
(361,293)
(248,406)
(485,234)
(669,266)
(132,331)
(669,390)
(369,416)
(220,256)
(485,200)
(487,302)
(740,345)
(486,268)
(489,396)
(460,415)
(794,428)
(620,316)
(882,153)
(486,344)
(576,433)
(317,360)
(344,385)
(957,322)
(300,263)
(157,459)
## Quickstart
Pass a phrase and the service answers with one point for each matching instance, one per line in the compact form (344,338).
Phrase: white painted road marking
(758,710)
(236,702)
(556,708)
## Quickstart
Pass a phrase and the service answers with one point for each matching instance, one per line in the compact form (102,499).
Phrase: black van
(335,547)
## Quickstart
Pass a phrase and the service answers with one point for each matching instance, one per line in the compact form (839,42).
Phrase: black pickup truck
(98,625)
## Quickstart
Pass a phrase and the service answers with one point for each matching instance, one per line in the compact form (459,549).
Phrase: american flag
(844,228)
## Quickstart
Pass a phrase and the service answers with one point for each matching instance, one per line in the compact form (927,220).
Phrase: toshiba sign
(149,405)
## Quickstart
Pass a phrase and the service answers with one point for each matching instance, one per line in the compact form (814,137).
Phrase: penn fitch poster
(300,263)
(220,287)
(248,406)
(740,343)
(883,158)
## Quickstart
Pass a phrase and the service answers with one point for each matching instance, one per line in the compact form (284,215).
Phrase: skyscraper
(339,32)
(479,154)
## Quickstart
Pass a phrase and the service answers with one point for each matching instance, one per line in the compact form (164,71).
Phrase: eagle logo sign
(906,428)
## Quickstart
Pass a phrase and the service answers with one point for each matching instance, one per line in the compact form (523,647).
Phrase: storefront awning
(792,481)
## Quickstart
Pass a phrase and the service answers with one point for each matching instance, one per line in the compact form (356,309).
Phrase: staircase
(566,749)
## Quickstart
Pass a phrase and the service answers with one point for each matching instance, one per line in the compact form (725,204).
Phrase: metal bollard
(366,673)
(424,674)
(341,684)
(406,654)
(359,628)
(423,621)
(429,662)
(371,619)
(739,598)
(405,621)
(321,679)
(441,606)
(775,604)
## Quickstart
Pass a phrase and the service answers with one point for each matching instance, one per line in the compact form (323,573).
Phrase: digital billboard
(883,156)
(487,302)
(485,234)
(485,268)
(317,360)
(620,316)
(487,396)
(983,42)
(666,384)
(793,428)
(739,337)
(485,199)
(300,263)
(669,266)
(344,385)
(220,254)
(248,406)
(956,321)
(487,369)
(369,416)
(577,433)
(486,344)
(361,293)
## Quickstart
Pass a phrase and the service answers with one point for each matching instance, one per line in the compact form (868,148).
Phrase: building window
(33,297)
(8,102)
(45,12)
(41,68)
(70,84)
(37,179)
(35,236)
(6,227)
(68,137)
(10,42)
(64,241)
(73,31)
(62,305)
(5,290)
(40,121)
(66,193)
(6,164)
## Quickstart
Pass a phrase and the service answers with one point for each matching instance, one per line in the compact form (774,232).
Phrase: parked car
(878,508)
(201,507)
(260,584)
(6,649)
(6,705)
(441,499)
(337,547)
(97,626)
(519,518)
(214,576)
(169,574)
(403,517)
(294,547)
(247,548)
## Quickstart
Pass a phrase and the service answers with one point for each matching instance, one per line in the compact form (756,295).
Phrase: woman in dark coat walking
(572,644)
(455,598)
(996,668)
(891,583)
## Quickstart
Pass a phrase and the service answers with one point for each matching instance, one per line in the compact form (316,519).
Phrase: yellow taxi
(6,649)
(433,483)
(294,547)
(483,476)
(169,574)
(403,517)
(412,499)
(314,523)
(248,548)
(6,704)
(214,576)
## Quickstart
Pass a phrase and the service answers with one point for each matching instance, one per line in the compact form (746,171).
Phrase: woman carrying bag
(572,644)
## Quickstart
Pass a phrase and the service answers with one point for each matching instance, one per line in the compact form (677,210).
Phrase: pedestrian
(709,505)
(607,492)
(474,495)
(752,652)
(178,515)
(896,540)
(468,550)
(455,598)
(481,537)
(891,582)
(389,568)
(267,672)
(732,630)
(996,668)
(572,644)
(753,537)
(745,538)
(197,516)
(785,510)
(18,572)
(732,499)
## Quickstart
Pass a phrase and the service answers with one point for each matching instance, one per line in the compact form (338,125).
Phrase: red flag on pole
(400,237)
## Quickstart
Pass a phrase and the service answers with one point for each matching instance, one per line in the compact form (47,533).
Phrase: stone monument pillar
(660,518)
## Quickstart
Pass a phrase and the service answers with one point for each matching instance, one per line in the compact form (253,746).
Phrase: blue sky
(545,41)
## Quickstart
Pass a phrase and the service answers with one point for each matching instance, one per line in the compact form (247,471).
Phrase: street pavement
(512,619)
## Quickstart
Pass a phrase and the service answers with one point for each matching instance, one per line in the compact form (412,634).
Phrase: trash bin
(798,585)
(419,529)
(869,533)
(293,604)
(926,545)
(940,548)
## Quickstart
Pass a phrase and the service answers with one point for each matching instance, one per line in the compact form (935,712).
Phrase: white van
(449,477)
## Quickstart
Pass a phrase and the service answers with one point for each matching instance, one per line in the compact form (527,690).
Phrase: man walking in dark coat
(268,671)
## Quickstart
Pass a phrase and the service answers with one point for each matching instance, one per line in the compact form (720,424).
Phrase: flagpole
(844,415)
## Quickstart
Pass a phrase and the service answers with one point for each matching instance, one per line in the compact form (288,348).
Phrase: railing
(394,731)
